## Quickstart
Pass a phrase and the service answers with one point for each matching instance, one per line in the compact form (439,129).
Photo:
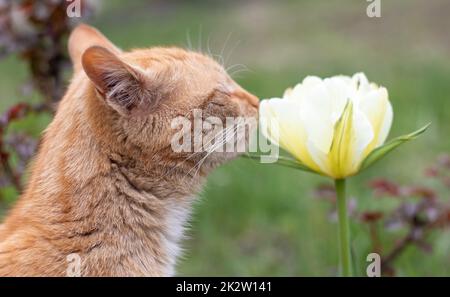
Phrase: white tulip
(330,125)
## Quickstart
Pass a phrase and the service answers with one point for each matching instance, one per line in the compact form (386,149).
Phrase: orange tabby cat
(106,184)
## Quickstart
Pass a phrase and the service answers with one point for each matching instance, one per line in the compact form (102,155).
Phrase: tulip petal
(320,159)
(300,90)
(386,120)
(339,92)
(378,109)
(281,124)
(342,147)
(316,110)
(352,134)
(361,82)
(364,135)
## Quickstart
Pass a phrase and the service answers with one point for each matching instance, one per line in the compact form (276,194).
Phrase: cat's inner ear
(122,85)
(84,37)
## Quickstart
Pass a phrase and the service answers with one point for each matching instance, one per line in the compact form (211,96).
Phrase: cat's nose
(250,98)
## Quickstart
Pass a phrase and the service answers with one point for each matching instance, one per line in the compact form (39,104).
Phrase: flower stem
(344,232)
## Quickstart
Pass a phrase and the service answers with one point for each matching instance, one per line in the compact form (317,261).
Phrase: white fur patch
(176,219)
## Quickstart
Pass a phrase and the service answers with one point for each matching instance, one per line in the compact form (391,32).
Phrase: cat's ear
(84,37)
(122,85)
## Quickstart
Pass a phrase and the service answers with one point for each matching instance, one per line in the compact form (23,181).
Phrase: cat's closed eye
(221,104)
(218,98)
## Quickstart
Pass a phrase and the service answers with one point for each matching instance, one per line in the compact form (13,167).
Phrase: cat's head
(166,100)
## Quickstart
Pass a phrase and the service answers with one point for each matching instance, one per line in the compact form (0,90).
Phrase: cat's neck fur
(123,214)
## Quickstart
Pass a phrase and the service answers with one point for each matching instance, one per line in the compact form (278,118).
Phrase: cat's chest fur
(142,225)
(153,248)
(176,222)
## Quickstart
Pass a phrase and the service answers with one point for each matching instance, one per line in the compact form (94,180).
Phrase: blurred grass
(262,219)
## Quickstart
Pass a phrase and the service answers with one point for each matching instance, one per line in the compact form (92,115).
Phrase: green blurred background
(258,220)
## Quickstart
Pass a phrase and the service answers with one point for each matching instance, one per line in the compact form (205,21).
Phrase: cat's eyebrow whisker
(234,66)
(231,51)
(224,47)
(208,46)
(237,68)
(200,39)
(233,74)
(218,58)
(188,39)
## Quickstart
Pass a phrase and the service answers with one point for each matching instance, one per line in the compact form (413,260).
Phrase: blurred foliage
(35,31)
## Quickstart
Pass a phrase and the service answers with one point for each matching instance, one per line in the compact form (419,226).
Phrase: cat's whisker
(194,154)
(235,129)
(209,152)
(180,164)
